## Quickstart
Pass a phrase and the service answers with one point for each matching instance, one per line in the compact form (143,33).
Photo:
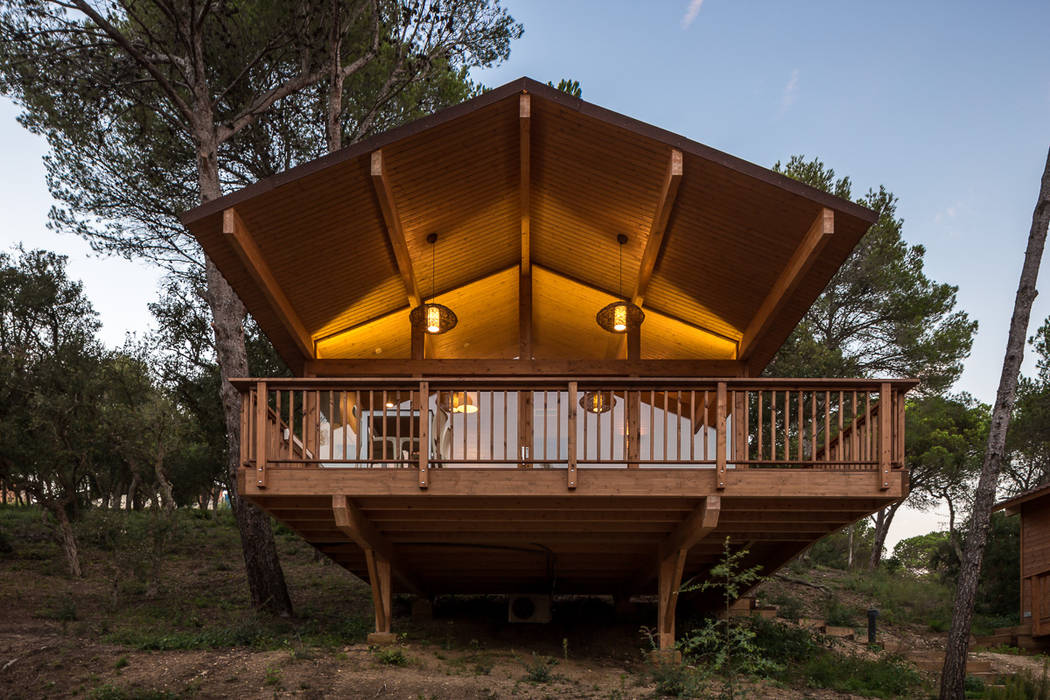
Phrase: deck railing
(720,424)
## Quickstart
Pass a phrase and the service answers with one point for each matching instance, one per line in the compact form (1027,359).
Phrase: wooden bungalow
(527,334)
(1033,506)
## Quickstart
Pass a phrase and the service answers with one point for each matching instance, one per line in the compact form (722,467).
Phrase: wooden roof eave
(546,92)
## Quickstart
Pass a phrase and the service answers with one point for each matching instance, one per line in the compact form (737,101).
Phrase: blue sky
(945,103)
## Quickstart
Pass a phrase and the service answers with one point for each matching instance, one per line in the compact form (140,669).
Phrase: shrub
(1023,686)
(886,677)
(539,671)
(678,681)
(391,656)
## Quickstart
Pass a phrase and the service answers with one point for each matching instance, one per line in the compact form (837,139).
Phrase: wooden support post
(379,578)
(634,427)
(350,521)
(720,436)
(424,434)
(262,419)
(571,437)
(1036,587)
(885,433)
(740,429)
(634,342)
(418,342)
(524,315)
(525,428)
(671,567)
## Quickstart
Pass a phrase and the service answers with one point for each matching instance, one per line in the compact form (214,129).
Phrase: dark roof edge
(554,95)
(1023,497)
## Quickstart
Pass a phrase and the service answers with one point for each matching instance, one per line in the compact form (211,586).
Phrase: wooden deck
(518,489)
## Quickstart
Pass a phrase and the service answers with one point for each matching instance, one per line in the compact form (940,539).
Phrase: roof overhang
(526,182)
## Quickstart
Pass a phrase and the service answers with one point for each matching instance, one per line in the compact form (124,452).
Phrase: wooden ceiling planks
(591,174)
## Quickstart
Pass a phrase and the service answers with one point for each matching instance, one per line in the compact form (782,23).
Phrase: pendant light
(458,402)
(597,401)
(434,318)
(620,315)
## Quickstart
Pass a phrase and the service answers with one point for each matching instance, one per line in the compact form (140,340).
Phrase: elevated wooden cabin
(528,449)
(1033,507)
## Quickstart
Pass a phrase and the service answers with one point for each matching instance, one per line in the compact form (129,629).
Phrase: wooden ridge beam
(351,522)
(820,231)
(394,231)
(525,184)
(525,205)
(251,257)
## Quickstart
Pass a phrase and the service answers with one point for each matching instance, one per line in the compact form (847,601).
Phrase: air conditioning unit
(529,608)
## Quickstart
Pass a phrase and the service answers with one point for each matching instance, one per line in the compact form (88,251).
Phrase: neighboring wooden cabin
(1034,508)
(594,421)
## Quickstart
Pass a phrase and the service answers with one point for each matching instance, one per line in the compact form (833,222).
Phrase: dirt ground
(88,638)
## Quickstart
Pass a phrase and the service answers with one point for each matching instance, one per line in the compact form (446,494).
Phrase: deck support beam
(351,522)
(820,232)
(251,257)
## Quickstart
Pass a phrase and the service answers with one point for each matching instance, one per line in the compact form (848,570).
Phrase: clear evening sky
(947,104)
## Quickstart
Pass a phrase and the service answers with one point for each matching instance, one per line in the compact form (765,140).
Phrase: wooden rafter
(394,231)
(653,243)
(351,521)
(822,228)
(251,257)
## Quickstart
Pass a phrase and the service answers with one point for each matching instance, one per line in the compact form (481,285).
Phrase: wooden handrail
(440,422)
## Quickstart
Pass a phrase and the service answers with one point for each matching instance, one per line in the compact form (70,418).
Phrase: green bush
(391,656)
(539,671)
(1023,686)
(886,677)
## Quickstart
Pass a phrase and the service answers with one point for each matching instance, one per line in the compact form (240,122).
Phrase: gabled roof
(726,256)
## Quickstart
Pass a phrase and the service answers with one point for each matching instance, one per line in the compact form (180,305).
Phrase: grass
(390,656)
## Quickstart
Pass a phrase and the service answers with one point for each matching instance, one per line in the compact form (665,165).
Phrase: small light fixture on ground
(622,314)
(432,317)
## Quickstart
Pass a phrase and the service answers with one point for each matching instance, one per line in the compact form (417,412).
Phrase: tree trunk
(882,529)
(167,501)
(953,675)
(129,503)
(262,567)
(67,540)
(849,544)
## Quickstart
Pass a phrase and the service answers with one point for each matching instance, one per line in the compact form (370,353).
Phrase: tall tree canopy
(182,101)
(880,315)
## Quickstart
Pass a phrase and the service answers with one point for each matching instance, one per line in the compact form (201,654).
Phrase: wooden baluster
(612,427)
(506,428)
(840,438)
(773,425)
(758,418)
(801,427)
(634,428)
(885,436)
(652,425)
(477,430)
(667,440)
(787,425)
(720,440)
(571,410)
(261,429)
(678,426)
(424,433)
(557,429)
(813,427)
(827,426)
(492,424)
(545,426)
(706,409)
(692,425)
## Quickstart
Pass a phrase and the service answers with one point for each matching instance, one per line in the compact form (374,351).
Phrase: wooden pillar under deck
(379,577)
(670,581)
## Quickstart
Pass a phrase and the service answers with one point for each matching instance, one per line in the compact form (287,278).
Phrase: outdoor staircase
(931,660)
(1019,636)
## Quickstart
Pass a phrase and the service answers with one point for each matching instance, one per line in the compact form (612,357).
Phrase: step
(839,632)
(996,640)
(810,623)
(766,612)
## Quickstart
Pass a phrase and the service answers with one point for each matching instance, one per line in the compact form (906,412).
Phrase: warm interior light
(463,403)
(390,404)
(598,401)
(433,319)
(620,318)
